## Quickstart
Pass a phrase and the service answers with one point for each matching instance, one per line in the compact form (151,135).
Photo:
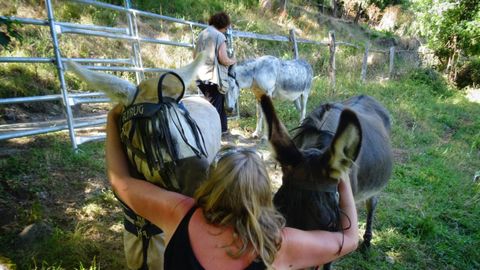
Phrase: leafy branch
(8,32)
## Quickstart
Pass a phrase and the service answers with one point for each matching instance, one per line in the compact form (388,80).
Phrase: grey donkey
(143,242)
(351,137)
(283,79)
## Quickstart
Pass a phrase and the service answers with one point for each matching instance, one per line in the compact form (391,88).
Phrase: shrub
(469,74)
(432,81)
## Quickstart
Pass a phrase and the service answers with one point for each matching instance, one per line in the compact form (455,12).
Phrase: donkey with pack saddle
(283,79)
(169,141)
(336,138)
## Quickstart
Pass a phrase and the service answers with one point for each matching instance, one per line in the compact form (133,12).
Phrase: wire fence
(137,45)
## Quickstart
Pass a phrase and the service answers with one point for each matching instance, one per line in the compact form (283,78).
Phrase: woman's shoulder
(214,33)
(183,206)
(211,242)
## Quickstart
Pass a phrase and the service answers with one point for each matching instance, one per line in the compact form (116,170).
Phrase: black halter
(160,84)
(233,76)
(317,186)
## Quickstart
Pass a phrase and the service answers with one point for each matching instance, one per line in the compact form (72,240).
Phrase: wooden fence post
(392,57)
(334,8)
(332,67)
(294,40)
(364,63)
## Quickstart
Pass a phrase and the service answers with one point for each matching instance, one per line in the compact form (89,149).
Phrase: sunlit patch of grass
(92,210)
(53,174)
(117,228)
(7,263)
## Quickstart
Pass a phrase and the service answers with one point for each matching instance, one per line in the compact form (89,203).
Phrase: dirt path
(473,95)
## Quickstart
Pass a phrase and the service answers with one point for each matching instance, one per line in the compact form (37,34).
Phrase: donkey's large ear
(285,150)
(345,145)
(119,90)
(189,72)
(171,86)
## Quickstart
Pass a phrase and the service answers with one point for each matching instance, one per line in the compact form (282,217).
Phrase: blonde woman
(231,222)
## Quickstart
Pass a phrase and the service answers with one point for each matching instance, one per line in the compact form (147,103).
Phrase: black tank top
(179,253)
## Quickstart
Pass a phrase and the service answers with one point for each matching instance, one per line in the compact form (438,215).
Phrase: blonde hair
(238,193)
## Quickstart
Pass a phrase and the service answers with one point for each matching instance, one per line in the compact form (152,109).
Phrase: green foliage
(385,3)
(469,74)
(103,17)
(70,12)
(450,26)
(52,173)
(73,249)
(117,2)
(430,79)
(100,16)
(26,80)
(8,31)
(421,209)
(196,10)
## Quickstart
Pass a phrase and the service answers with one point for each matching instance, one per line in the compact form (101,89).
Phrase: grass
(427,217)
(46,183)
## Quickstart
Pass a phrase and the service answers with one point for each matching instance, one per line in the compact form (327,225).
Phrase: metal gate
(132,64)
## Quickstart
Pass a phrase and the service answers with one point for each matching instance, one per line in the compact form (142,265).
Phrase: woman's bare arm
(163,208)
(223,56)
(302,249)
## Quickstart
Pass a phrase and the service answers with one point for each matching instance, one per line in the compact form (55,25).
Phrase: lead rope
(343,231)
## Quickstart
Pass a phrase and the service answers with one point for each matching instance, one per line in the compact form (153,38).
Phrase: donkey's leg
(298,104)
(371,206)
(258,130)
(303,112)
(301,106)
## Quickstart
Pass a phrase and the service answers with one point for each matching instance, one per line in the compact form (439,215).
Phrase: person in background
(213,75)
(231,222)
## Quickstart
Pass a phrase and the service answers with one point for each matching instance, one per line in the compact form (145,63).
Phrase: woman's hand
(115,112)
(303,249)
(223,56)
(349,218)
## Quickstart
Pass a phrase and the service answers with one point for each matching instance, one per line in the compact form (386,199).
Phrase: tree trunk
(334,8)
(320,5)
(452,60)
(359,12)
(283,8)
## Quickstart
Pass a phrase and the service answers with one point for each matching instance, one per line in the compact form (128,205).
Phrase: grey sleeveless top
(207,39)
